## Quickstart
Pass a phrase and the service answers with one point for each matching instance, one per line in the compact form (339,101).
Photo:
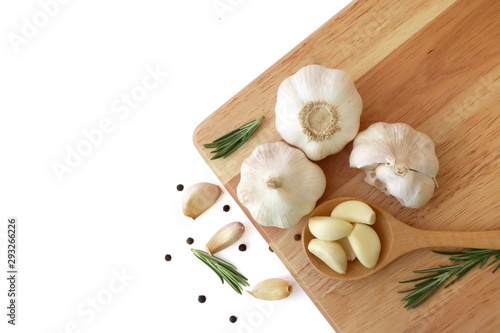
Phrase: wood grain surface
(434,65)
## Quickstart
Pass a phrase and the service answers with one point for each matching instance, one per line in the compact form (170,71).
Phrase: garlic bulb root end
(318,110)
(279,185)
(398,160)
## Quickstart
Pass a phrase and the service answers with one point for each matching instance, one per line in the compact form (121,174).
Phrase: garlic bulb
(318,110)
(398,160)
(279,185)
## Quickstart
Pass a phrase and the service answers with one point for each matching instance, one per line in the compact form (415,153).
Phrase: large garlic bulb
(318,110)
(279,185)
(398,160)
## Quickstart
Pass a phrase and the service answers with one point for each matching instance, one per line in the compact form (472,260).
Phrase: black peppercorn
(202,298)
(190,240)
(242,247)
(168,257)
(296,237)
(180,187)
(270,249)
(233,319)
(226,208)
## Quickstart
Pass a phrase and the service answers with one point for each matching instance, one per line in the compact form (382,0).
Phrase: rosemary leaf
(494,261)
(212,267)
(226,271)
(230,142)
(465,260)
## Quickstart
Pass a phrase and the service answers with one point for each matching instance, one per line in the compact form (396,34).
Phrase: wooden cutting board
(434,65)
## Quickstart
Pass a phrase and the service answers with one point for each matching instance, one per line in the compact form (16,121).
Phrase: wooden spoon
(396,238)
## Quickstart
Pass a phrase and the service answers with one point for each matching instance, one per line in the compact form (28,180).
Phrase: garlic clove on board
(198,198)
(279,185)
(318,110)
(398,160)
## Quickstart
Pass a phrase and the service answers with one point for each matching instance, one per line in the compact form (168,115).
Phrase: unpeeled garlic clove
(354,211)
(271,289)
(365,244)
(330,252)
(198,198)
(413,190)
(329,228)
(225,237)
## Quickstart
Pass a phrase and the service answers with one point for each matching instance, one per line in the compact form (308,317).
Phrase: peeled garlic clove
(398,160)
(329,228)
(318,110)
(272,289)
(365,244)
(349,252)
(279,185)
(225,237)
(198,198)
(354,211)
(330,252)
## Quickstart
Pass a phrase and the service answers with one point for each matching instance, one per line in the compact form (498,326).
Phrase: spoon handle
(469,239)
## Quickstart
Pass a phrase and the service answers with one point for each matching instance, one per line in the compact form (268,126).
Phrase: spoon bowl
(396,239)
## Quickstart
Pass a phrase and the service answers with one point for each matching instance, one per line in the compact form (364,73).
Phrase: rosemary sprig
(464,260)
(228,143)
(226,271)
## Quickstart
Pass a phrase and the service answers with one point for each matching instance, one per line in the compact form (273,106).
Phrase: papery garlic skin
(413,190)
(398,160)
(279,185)
(318,110)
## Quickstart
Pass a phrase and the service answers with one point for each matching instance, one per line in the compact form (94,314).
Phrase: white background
(116,211)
